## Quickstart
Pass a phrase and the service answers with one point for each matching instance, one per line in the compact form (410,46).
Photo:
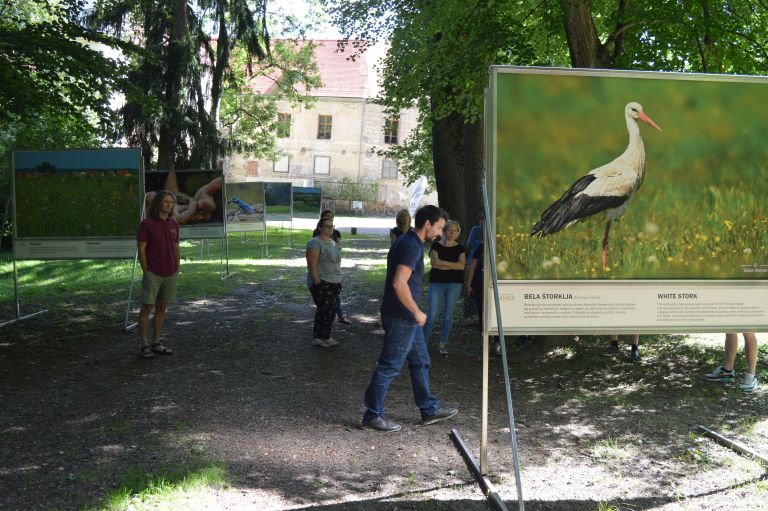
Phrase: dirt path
(247,392)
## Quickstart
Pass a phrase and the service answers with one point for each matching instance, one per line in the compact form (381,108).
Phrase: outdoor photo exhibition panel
(245,206)
(199,200)
(76,204)
(307,202)
(279,201)
(679,159)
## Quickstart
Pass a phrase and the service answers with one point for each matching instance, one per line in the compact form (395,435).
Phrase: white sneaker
(751,385)
(330,342)
(318,342)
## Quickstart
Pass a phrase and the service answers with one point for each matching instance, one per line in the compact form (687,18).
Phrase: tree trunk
(584,46)
(448,156)
(177,49)
(474,153)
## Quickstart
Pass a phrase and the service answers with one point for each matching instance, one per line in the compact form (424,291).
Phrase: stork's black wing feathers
(572,206)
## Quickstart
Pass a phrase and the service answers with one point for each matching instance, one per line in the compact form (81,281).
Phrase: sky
(305,11)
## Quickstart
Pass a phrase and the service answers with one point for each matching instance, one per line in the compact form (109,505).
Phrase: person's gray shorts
(155,288)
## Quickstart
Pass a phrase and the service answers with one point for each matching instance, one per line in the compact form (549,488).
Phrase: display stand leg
(485,483)
(484,412)
(126,326)
(19,317)
(224,269)
(490,255)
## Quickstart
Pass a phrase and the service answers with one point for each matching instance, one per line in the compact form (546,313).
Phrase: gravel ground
(246,391)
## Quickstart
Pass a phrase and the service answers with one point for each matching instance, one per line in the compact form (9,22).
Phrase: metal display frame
(95,241)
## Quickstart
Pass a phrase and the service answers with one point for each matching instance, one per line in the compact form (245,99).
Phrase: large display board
(245,206)
(279,201)
(690,252)
(76,204)
(307,202)
(199,200)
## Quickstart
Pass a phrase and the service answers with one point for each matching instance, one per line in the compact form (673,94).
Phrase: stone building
(335,142)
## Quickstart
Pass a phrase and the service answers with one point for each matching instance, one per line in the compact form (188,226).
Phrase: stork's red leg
(605,245)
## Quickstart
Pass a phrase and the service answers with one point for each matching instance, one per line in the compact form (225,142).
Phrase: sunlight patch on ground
(292,263)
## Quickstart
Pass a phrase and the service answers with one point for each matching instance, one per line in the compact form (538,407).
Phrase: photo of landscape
(77,193)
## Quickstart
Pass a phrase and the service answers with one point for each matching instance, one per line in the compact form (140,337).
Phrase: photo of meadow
(240,197)
(307,202)
(702,209)
(278,200)
(93,193)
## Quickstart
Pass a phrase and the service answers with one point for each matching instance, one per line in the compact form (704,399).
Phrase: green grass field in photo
(70,204)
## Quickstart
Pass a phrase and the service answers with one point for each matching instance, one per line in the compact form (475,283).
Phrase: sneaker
(497,348)
(345,321)
(381,424)
(440,414)
(611,350)
(751,386)
(442,350)
(319,342)
(330,342)
(721,374)
(635,357)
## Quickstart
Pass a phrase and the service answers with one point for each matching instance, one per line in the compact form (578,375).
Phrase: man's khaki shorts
(158,289)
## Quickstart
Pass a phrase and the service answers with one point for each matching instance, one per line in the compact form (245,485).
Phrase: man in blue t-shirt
(403,322)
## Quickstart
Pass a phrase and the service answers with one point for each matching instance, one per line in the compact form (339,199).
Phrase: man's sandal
(146,352)
(160,349)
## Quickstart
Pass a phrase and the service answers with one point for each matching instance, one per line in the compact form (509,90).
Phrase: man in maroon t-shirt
(159,256)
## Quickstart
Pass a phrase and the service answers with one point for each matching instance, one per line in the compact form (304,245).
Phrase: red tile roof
(340,76)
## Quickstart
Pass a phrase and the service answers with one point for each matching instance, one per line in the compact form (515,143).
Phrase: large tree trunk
(474,152)
(177,50)
(448,158)
(584,45)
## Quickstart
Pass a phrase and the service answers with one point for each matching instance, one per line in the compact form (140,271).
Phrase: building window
(389,169)
(322,165)
(324,125)
(283,165)
(283,125)
(391,127)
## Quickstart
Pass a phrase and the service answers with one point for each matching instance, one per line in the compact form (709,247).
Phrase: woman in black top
(445,280)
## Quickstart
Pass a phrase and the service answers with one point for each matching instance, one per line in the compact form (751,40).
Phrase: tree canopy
(440,52)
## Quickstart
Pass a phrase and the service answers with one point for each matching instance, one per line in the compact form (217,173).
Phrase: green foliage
(249,117)
(347,190)
(49,63)
(414,154)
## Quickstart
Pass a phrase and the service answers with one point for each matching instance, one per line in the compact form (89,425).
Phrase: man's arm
(403,293)
(143,255)
(470,276)
(178,254)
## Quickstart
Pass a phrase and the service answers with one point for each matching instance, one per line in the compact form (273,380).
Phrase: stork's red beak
(647,120)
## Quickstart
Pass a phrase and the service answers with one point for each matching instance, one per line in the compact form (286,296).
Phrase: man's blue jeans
(403,340)
(441,294)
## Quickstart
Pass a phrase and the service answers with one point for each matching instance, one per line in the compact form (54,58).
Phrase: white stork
(605,191)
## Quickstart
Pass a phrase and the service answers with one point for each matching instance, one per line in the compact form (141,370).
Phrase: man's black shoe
(381,424)
(440,415)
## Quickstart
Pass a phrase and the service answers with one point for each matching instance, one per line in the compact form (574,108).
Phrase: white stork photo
(603,194)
